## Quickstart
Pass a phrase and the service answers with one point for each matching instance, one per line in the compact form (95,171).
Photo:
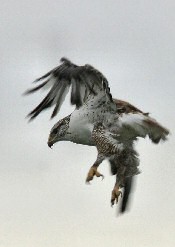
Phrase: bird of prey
(111,125)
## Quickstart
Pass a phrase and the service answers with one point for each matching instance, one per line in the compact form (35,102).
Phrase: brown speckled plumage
(103,142)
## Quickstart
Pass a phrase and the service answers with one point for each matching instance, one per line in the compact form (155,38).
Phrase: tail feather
(127,192)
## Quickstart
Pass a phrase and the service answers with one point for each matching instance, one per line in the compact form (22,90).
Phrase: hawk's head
(58,131)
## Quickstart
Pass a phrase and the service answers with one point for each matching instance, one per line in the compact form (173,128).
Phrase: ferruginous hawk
(98,120)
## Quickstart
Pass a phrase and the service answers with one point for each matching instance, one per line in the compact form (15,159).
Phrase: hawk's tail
(127,192)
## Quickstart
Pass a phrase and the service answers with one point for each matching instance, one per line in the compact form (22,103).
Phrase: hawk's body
(98,120)
(82,121)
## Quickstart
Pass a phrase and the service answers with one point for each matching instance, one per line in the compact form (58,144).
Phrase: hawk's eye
(55,131)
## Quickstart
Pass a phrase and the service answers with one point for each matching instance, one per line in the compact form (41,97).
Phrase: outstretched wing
(84,81)
(134,125)
(126,107)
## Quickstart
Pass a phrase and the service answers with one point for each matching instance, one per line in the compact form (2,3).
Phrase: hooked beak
(50,143)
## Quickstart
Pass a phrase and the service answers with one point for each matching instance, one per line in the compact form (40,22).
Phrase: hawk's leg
(116,193)
(93,170)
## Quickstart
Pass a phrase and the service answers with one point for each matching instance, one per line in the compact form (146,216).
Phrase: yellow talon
(93,172)
(116,193)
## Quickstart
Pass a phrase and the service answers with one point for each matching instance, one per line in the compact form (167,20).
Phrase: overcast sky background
(44,200)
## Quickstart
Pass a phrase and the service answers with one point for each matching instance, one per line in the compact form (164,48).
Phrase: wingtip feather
(65,60)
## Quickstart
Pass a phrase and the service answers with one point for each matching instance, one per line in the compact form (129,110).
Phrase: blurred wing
(84,81)
(134,125)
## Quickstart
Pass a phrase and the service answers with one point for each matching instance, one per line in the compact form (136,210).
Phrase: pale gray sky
(44,199)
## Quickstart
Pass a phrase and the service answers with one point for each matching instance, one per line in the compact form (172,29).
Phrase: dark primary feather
(36,88)
(60,98)
(84,81)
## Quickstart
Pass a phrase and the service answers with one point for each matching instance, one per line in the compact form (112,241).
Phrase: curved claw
(88,179)
(93,172)
(97,174)
(116,193)
(87,182)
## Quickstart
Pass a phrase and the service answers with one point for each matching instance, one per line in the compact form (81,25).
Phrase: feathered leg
(116,193)
(124,166)
(106,146)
